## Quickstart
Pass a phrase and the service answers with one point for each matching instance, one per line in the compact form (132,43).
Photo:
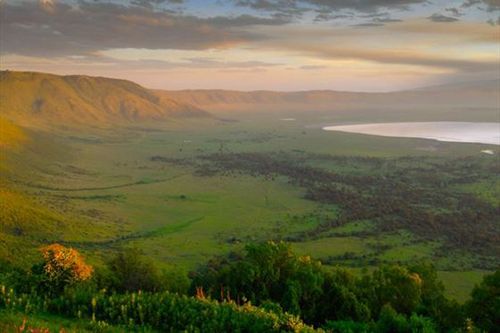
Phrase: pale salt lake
(449,131)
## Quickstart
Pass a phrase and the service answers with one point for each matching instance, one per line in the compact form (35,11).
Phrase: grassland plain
(104,191)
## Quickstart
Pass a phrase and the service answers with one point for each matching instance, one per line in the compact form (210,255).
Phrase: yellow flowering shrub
(64,264)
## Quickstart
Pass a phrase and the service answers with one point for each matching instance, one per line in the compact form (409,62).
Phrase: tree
(392,322)
(131,271)
(340,301)
(484,305)
(62,266)
(265,272)
(395,286)
(447,313)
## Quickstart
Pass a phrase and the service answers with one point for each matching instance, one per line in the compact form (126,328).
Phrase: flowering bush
(63,266)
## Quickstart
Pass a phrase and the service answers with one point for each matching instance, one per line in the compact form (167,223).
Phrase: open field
(142,187)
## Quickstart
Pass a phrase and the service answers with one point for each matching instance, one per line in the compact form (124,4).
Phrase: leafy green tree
(484,305)
(129,270)
(347,326)
(265,272)
(392,322)
(448,314)
(395,286)
(340,300)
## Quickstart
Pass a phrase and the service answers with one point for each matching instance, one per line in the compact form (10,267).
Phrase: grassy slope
(34,98)
(11,136)
(29,220)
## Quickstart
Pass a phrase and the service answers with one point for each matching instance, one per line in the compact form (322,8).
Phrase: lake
(449,131)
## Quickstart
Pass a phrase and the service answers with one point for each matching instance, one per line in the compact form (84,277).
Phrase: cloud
(454,11)
(154,3)
(490,5)
(494,22)
(312,67)
(441,18)
(378,22)
(369,24)
(365,6)
(461,33)
(414,43)
(105,61)
(57,29)
(278,8)
(202,62)
(326,9)
(331,5)
(327,16)
(369,38)
(386,20)
(402,57)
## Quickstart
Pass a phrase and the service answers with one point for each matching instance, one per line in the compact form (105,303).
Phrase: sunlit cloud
(247,45)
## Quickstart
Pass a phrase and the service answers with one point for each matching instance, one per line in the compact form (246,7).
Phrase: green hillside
(33,98)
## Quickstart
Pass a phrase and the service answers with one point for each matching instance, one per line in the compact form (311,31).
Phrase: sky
(282,45)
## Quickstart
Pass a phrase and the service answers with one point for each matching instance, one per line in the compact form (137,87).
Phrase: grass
(488,191)
(458,284)
(12,322)
(109,189)
(331,246)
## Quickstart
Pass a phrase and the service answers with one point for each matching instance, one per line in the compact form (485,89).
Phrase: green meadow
(109,193)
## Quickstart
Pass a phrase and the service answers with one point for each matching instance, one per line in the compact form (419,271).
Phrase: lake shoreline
(444,131)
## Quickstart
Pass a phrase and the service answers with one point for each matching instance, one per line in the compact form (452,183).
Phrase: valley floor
(178,193)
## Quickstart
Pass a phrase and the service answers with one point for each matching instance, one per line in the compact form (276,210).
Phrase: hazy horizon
(248,45)
(451,84)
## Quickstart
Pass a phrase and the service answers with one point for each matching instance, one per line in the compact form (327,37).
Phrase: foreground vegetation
(265,288)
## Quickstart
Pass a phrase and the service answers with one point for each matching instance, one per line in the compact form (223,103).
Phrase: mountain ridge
(477,94)
(31,97)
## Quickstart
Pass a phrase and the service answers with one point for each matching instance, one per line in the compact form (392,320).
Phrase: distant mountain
(29,98)
(482,94)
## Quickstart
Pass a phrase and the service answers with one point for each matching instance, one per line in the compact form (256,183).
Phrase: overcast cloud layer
(256,44)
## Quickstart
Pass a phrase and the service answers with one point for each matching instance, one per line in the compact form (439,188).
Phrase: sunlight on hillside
(11,136)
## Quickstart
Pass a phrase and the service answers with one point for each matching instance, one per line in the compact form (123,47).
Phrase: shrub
(129,270)
(163,311)
(266,272)
(347,326)
(61,267)
(392,322)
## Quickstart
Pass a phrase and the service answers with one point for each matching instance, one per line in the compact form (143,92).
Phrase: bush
(348,326)
(163,311)
(61,267)
(129,270)
(266,272)
(392,322)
